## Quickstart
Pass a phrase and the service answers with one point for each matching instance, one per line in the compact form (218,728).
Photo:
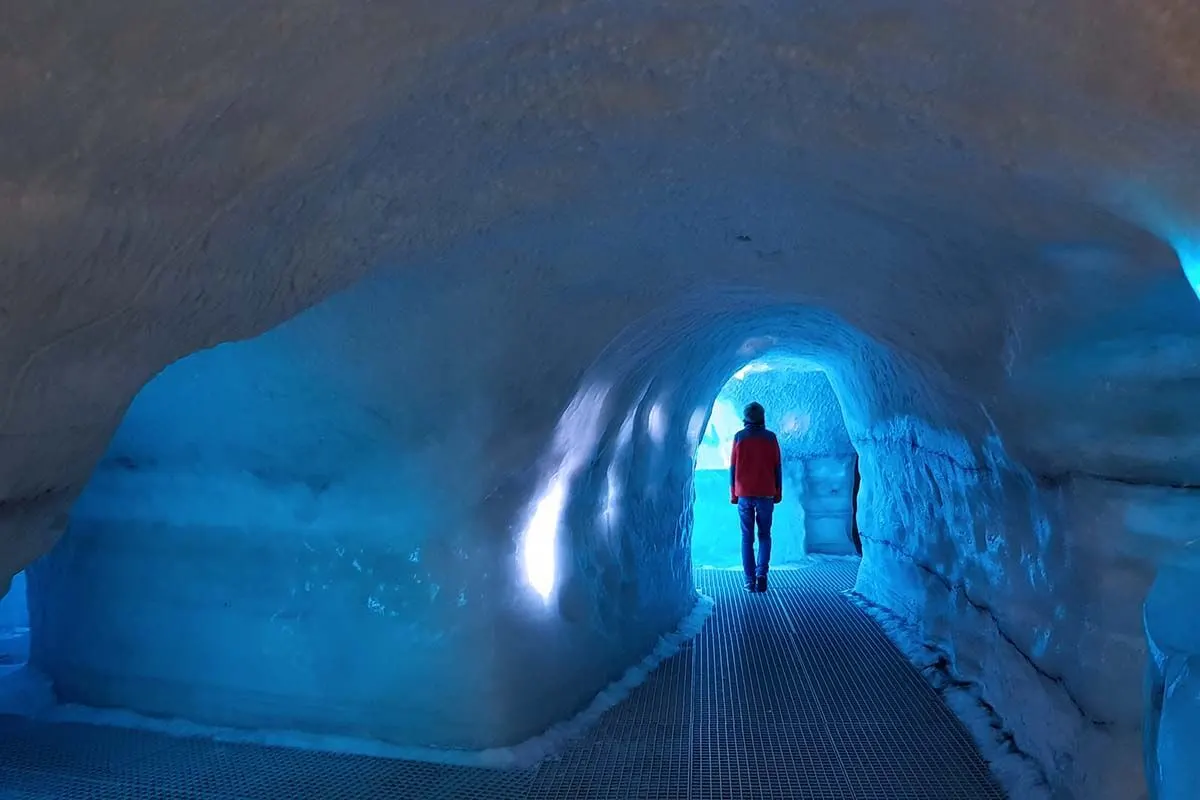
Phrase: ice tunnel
(343,550)
(366,369)
(819,465)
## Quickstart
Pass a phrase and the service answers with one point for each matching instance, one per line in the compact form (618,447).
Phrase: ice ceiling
(530,241)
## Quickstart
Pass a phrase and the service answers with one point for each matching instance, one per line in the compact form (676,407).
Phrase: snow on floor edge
(1017,773)
(525,754)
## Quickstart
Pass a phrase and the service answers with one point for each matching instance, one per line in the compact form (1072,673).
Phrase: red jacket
(755,468)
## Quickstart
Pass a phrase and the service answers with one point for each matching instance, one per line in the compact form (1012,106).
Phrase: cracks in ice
(960,589)
(916,448)
(1060,478)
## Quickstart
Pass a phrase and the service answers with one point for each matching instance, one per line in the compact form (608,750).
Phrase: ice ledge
(525,754)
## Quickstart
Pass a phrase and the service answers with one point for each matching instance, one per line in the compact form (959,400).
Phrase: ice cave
(369,373)
(820,466)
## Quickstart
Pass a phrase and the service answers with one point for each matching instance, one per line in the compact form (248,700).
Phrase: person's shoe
(760,585)
(751,585)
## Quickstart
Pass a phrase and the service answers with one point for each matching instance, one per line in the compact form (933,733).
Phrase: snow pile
(1017,772)
(525,754)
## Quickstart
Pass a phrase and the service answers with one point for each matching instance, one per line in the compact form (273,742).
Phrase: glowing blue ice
(1189,257)
(717,445)
(540,545)
(656,424)
(575,440)
(818,465)
(14,624)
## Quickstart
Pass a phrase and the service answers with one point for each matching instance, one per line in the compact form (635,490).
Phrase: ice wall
(1172,700)
(818,466)
(980,563)
(322,524)
(984,194)
(1029,581)
(14,612)
(14,624)
(1143,543)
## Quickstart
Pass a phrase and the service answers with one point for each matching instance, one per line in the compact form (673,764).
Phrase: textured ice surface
(971,216)
(14,616)
(1173,679)
(283,536)
(1031,593)
(523,754)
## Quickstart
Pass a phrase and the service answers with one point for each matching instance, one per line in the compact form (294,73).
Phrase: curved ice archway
(951,524)
(678,359)
(996,571)
(958,538)
(334,492)
(227,172)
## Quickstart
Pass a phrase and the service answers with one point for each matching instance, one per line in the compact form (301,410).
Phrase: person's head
(754,415)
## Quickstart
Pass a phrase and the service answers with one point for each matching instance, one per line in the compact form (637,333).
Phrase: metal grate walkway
(792,694)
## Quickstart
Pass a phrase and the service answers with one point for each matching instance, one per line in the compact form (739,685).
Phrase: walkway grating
(792,694)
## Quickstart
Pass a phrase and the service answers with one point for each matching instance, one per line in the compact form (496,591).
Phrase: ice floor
(795,693)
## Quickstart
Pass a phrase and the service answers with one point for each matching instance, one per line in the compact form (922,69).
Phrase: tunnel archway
(259,487)
(871,381)
(581,560)
(949,516)
(818,473)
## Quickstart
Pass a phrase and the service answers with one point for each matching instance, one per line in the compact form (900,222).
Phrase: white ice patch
(539,545)
(575,439)
(656,424)
(696,426)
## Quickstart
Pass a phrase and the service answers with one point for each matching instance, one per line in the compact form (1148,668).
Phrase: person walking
(755,486)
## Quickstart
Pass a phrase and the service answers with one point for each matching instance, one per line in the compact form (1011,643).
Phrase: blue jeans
(751,510)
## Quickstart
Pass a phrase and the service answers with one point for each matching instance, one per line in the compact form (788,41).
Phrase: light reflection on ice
(540,542)
(696,426)
(656,424)
(575,440)
(1189,257)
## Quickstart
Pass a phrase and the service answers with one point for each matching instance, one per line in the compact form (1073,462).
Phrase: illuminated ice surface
(377,341)
(313,563)
(14,623)
(819,461)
